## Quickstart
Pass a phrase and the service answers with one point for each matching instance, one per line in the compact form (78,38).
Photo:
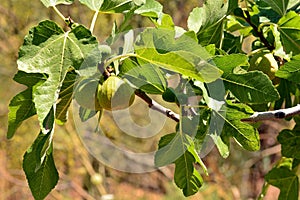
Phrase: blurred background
(82,176)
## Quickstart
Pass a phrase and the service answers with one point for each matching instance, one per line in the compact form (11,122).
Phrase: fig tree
(115,94)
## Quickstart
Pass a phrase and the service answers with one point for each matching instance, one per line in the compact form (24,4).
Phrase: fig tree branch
(276,114)
(258,32)
(156,106)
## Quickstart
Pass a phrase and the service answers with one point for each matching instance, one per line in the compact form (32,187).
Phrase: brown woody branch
(156,106)
(258,32)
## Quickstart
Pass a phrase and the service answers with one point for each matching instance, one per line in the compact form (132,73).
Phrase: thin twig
(276,114)
(258,32)
(59,14)
(156,106)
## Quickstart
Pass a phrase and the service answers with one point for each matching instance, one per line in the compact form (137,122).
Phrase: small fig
(115,94)
(97,179)
(264,62)
(85,94)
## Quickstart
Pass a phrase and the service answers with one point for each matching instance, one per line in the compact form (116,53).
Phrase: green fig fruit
(85,94)
(115,94)
(264,62)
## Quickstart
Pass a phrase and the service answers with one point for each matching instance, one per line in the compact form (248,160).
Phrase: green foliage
(286,180)
(61,65)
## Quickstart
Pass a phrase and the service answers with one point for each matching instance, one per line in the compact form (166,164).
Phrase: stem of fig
(59,13)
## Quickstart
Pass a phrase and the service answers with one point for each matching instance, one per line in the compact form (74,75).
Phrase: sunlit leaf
(249,87)
(244,133)
(151,8)
(183,55)
(22,106)
(289,28)
(49,3)
(48,50)
(146,77)
(171,147)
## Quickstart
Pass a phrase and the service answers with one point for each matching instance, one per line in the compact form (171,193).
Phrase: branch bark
(276,114)
(156,106)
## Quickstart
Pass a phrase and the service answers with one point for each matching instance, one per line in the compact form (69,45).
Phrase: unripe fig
(264,62)
(115,94)
(97,179)
(85,94)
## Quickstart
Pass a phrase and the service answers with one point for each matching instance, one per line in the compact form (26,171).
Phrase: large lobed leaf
(248,87)
(245,134)
(147,78)
(22,107)
(289,28)
(182,55)
(179,148)
(171,147)
(43,177)
(286,180)
(207,21)
(290,70)
(49,50)
(186,176)
(290,141)
(65,98)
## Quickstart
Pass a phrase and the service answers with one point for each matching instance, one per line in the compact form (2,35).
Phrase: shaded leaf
(85,114)
(48,50)
(290,142)
(285,89)
(41,179)
(186,176)
(183,55)
(286,180)
(171,147)
(280,6)
(249,87)
(65,98)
